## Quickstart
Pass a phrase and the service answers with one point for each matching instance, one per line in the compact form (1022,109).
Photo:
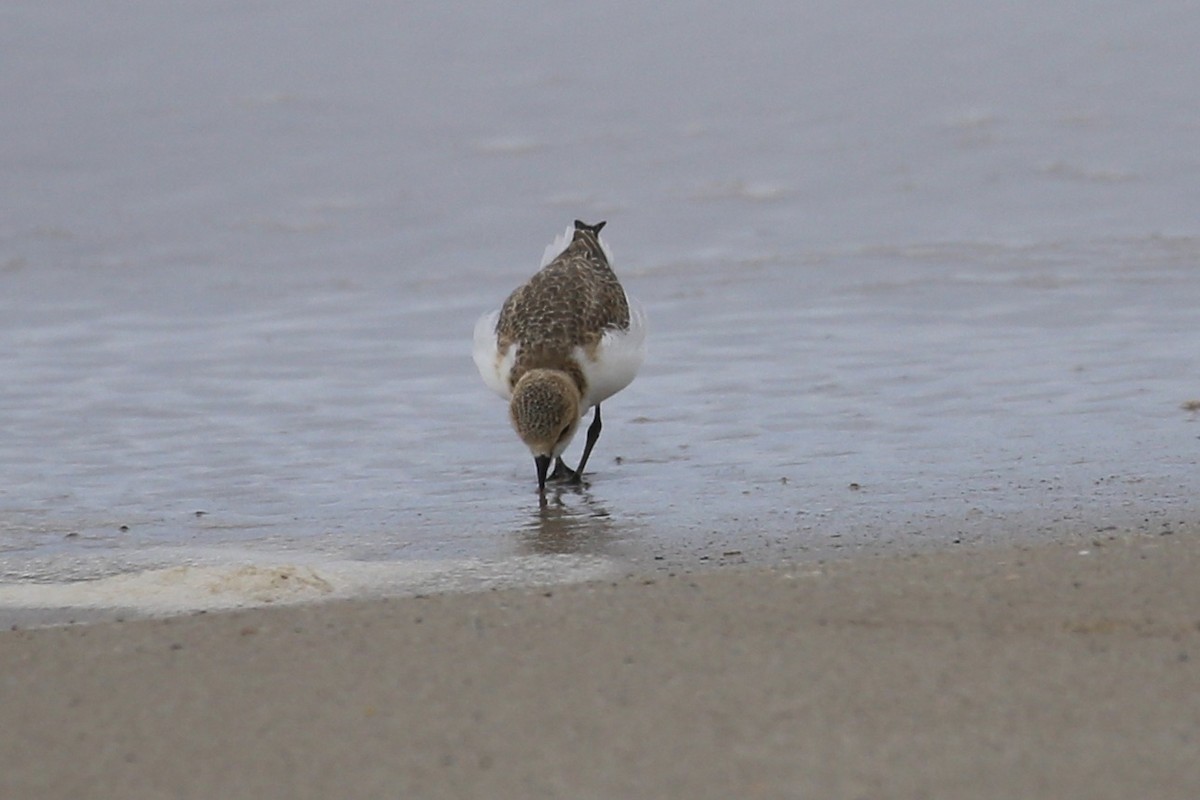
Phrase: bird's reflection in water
(568,521)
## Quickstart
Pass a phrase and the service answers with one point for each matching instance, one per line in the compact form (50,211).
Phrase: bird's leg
(593,433)
(564,474)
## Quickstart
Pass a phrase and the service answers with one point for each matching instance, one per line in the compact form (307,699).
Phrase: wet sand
(1069,669)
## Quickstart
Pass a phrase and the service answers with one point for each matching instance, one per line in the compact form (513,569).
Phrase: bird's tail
(560,243)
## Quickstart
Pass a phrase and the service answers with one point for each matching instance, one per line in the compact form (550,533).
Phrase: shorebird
(562,343)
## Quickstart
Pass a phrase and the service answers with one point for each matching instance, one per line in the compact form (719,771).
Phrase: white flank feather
(493,365)
(618,358)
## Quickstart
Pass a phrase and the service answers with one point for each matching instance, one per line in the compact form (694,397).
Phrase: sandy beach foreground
(1064,670)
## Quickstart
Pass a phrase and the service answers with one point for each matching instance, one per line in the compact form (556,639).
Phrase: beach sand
(1058,671)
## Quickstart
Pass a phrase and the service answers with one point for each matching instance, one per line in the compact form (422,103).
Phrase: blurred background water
(916,274)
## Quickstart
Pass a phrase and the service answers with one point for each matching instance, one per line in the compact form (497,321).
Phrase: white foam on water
(181,589)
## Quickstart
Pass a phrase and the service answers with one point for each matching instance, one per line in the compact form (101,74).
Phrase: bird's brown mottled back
(568,304)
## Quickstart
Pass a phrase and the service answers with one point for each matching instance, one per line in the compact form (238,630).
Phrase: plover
(564,342)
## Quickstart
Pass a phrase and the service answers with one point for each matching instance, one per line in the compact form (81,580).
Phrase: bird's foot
(564,474)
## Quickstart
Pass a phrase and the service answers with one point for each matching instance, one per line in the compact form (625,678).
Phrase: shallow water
(911,281)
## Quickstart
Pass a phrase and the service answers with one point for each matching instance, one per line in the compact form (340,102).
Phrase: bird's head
(545,413)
